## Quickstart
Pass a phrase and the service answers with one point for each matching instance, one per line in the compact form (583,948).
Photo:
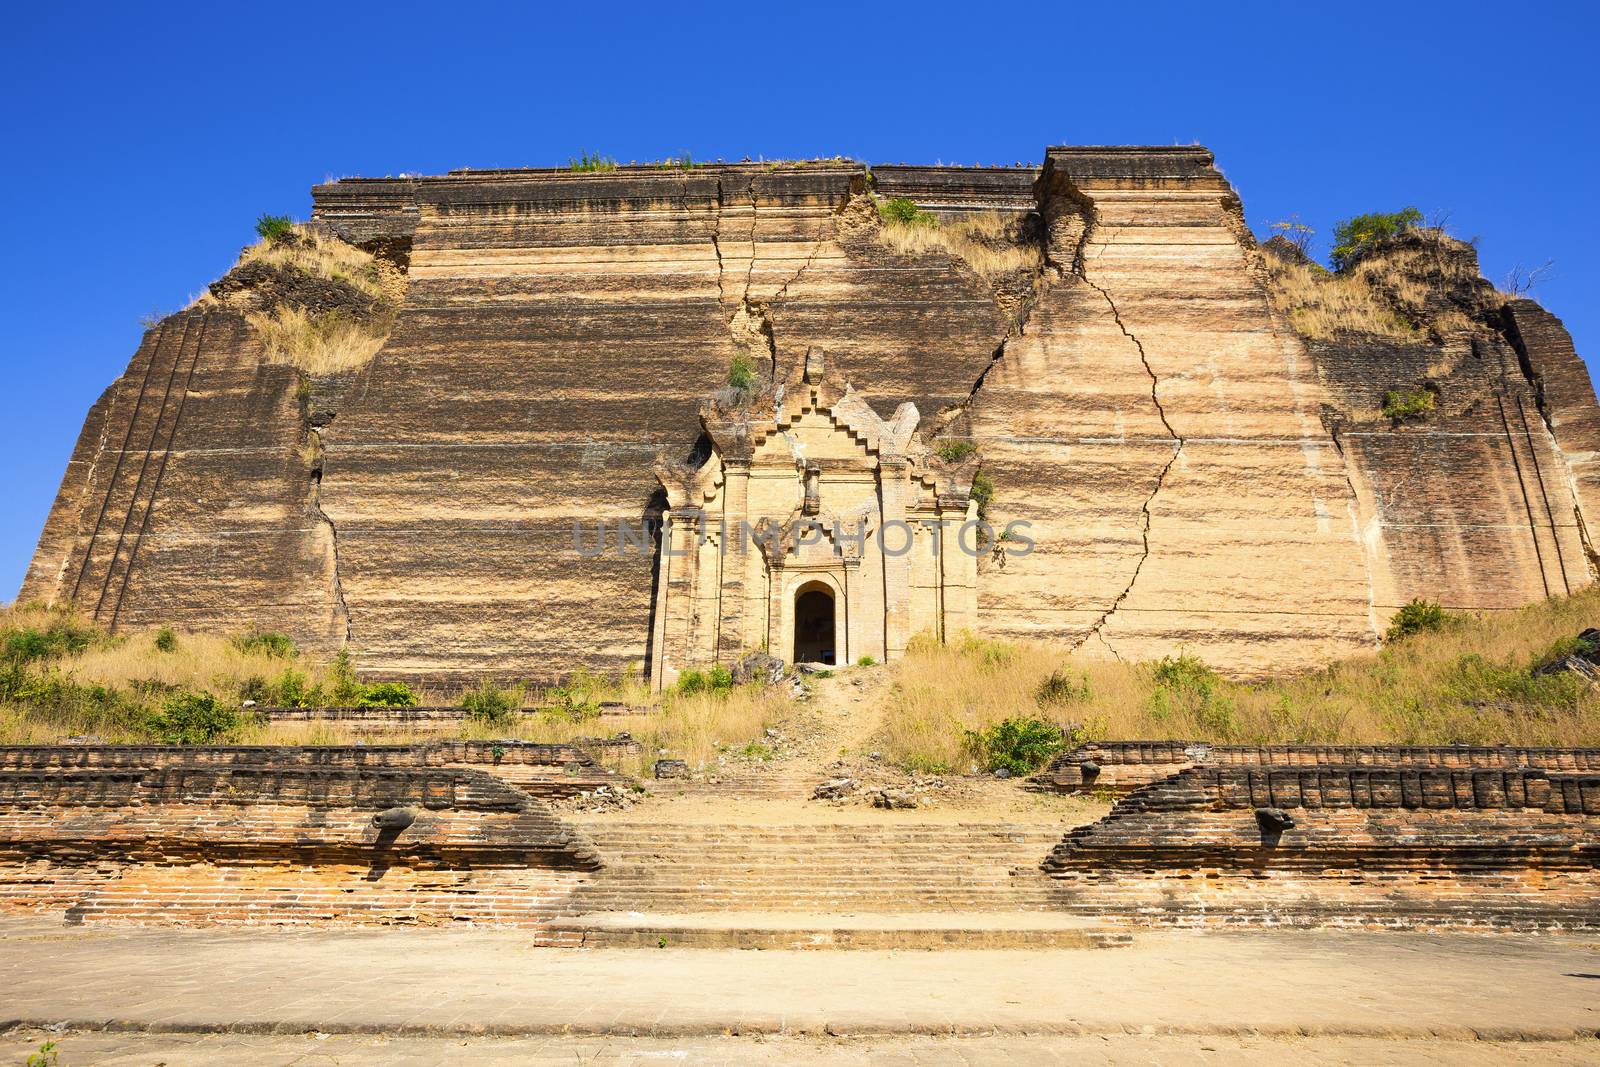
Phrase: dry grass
(325,256)
(983,242)
(108,686)
(329,343)
(1321,304)
(1469,683)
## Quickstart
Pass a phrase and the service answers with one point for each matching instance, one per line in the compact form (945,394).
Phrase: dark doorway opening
(813,626)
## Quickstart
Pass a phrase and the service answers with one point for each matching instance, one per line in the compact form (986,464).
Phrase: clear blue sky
(140,145)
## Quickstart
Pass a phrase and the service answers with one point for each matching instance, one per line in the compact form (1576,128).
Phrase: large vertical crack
(1161,478)
(341,607)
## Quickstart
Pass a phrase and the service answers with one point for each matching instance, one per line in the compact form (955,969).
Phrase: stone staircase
(889,884)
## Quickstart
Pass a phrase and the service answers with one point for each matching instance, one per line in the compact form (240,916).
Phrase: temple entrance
(813,625)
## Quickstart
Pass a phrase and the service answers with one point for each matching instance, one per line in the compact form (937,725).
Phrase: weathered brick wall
(1120,766)
(230,841)
(1506,847)
(547,770)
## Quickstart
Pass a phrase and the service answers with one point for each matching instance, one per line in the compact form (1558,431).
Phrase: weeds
(956,451)
(591,161)
(1018,745)
(274,228)
(987,243)
(1407,404)
(193,719)
(1418,616)
(741,372)
(267,643)
(490,705)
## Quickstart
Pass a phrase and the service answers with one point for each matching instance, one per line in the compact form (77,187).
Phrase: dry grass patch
(326,343)
(1469,683)
(1320,304)
(985,242)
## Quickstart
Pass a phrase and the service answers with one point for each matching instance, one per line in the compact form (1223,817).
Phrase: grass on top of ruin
(330,340)
(986,242)
(1469,680)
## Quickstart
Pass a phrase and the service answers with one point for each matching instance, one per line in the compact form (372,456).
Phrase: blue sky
(141,144)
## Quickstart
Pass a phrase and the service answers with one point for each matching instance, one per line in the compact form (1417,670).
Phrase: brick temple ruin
(1178,449)
(1192,472)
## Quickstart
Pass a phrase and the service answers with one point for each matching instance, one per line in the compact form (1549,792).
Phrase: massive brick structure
(1183,454)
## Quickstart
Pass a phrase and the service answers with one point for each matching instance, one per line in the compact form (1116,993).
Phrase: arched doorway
(813,625)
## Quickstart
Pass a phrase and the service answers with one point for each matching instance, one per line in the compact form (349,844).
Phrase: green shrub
(982,492)
(717,680)
(386,695)
(166,640)
(344,688)
(1019,745)
(1400,405)
(267,642)
(293,689)
(274,228)
(591,161)
(866,661)
(956,451)
(1351,236)
(1419,616)
(1186,687)
(491,705)
(192,719)
(61,637)
(742,372)
(899,211)
(1063,687)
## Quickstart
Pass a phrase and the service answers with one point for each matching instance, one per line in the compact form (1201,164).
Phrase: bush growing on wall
(1352,236)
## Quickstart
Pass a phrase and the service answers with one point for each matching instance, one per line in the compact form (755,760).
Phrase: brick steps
(676,869)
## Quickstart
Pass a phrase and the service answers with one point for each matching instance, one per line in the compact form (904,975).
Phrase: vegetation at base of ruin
(267,642)
(1469,680)
(60,676)
(956,451)
(1355,235)
(1417,616)
(1018,745)
(741,372)
(1062,687)
(274,228)
(193,719)
(1407,403)
(692,680)
(591,161)
(986,242)
(489,704)
(866,661)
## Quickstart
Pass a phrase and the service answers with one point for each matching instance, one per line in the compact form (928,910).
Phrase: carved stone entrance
(808,498)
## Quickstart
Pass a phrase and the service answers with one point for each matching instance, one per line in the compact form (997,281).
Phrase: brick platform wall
(1508,847)
(236,842)
(1121,766)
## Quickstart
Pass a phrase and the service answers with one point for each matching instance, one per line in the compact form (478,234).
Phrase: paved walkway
(324,1050)
(443,982)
